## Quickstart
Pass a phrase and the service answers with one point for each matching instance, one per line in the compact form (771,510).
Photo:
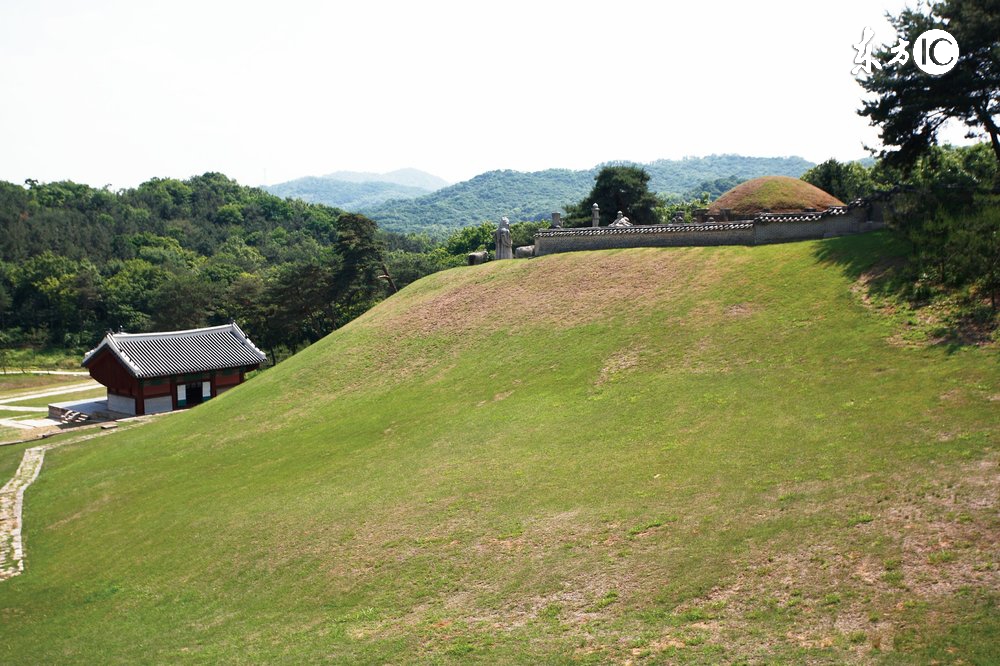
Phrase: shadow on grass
(878,259)
(880,264)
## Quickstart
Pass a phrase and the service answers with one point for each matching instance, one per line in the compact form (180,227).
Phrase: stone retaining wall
(661,235)
(765,228)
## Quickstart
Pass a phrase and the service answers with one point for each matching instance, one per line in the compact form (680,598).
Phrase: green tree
(5,303)
(973,248)
(128,293)
(357,283)
(845,180)
(407,267)
(471,239)
(910,106)
(523,233)
(617,188)
(299,301)
(182,301)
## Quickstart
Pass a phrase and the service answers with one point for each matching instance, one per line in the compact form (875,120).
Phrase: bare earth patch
(621,361)
(739,310)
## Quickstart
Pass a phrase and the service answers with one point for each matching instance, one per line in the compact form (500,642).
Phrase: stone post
(596,212)
(556,221)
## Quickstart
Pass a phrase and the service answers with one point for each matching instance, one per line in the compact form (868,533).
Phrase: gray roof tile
(179,352)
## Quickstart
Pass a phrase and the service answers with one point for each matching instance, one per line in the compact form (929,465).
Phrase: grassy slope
(696,454)
(10,455)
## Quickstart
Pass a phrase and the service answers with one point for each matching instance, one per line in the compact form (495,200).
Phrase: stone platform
(84,410)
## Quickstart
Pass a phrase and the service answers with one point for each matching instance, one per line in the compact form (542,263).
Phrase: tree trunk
(993,130)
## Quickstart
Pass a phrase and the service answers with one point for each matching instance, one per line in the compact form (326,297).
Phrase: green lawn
(11,435)
(10,456)
(17,414)
(693,455)
(24,383)
(43,359)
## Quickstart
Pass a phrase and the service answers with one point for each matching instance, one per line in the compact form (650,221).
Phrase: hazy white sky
(107,92)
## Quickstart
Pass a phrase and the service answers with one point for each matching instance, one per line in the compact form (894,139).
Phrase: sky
(115,93)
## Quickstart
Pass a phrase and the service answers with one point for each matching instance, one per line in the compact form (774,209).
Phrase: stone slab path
(12,502)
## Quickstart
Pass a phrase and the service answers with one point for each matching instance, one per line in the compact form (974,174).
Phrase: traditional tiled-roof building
(149,373)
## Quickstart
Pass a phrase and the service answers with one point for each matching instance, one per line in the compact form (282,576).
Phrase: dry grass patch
(837,591)
(608,283)
(618,363)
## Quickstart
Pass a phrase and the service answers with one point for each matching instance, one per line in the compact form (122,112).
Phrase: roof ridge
(172,334)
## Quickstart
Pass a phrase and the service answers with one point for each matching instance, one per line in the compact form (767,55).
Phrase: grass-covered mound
(657,455)
(777,194)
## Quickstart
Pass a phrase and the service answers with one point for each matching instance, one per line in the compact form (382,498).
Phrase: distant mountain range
(406,177)
(402,205)
(348,195)
(358,190)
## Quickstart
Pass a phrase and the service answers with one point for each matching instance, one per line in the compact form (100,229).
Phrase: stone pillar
(556,221)
(596,212)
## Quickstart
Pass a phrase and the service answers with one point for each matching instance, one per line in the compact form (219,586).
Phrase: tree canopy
(845,180)
(171,254)
(910,106)
(617,188)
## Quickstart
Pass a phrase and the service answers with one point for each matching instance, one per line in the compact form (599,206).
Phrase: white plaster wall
(122,404)
(159,405)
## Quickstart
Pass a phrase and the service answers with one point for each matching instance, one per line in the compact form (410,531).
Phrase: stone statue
(504,242)
(621,221)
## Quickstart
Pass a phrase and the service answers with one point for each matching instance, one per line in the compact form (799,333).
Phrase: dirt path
(71,388)
(73,373)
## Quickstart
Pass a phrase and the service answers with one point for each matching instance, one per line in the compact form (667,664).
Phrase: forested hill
(172,254)
(535,195)
(488,196)
(685,176)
